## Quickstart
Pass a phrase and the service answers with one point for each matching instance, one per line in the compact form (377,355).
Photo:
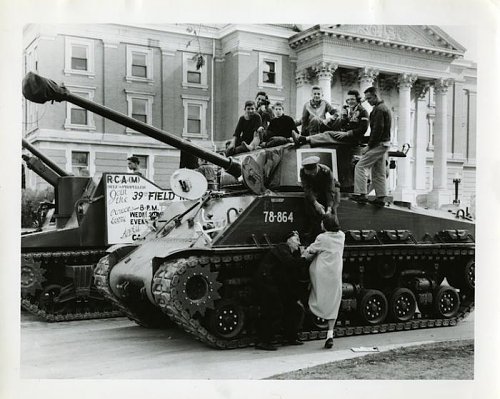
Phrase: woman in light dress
(325,272)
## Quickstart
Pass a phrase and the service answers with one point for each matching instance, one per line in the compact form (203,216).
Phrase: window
(269,72)
(143,164)
(79,57)
(270,67)
(80,163)
(193,76)
(78,118)
(139,64)
(195,120)
(140,107)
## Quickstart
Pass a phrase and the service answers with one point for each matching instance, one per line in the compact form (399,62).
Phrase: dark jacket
(283,270)
(246,128)
(321,187)
(380,124)
(357,121)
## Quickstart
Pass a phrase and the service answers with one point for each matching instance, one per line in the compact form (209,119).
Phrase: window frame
(202,103)
(148,52)
(79,90)
(278,61)
(148,161)
(89,45)
(149,97)
(186,60)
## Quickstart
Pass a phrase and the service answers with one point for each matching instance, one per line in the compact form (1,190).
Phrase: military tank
(58,258)
(197,265)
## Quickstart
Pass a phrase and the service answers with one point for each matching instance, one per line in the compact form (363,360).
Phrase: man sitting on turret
(281,129)
(246,135)
(350,128)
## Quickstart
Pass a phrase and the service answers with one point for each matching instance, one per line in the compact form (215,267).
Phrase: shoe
(265,346)
(293,342)
(300,141)
(379,201)
(329,343)
(359,198)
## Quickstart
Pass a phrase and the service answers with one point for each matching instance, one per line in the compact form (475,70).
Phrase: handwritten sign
(132,204)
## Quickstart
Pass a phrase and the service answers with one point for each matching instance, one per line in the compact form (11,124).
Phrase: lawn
(450,360)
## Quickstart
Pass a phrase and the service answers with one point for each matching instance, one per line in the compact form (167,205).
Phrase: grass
(450,360)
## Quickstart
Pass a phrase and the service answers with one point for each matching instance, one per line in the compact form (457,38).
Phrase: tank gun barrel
(44,159)
(41,90)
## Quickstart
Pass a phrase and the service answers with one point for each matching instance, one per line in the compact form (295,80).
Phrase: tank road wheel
(49,300)
(31,276)
(402,305)
(463,276)
(446,302)
(372,307)
(227,319)
(198,287)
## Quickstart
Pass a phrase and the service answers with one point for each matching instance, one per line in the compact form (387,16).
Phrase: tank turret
(195,267)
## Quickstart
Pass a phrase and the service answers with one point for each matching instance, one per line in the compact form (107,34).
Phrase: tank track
(166,287)
(144,319)
(31,303)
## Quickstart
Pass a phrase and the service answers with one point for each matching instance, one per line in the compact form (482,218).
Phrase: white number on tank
(278,217)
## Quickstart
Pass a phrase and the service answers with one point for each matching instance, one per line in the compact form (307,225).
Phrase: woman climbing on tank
(325,272)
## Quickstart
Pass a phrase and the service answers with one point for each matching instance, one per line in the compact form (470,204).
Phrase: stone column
(324,72)
(303,92)
(404,190)
(440,194)
(421,90)
(366,76)
(430,120)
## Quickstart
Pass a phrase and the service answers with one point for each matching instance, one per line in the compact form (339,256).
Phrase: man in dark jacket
(375,155)
(278,289)
(321,192)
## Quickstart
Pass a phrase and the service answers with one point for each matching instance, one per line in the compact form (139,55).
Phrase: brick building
(149,72)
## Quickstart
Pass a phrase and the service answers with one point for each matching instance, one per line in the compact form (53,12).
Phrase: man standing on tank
(278,290)
(375,156)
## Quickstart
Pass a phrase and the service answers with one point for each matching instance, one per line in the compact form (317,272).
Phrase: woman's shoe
(329,343)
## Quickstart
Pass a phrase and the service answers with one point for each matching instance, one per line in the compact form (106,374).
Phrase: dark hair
(371,90)
(331,222)
(249,103)
(261,93)
(134,159)
(354,93)
(278,104)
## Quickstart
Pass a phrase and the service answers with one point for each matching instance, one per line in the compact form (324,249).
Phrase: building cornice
(319,33)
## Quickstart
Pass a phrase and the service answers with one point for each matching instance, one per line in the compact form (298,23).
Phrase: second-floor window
(79,118)
(195,116)
(139,64)
(140,107)
(270,71)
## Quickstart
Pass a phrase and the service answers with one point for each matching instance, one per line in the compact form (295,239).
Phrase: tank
(58,257)
(404,267)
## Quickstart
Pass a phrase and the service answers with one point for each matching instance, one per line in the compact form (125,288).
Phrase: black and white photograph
(259,208)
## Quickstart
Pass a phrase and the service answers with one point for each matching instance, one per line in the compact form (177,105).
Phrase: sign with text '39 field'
(132,205)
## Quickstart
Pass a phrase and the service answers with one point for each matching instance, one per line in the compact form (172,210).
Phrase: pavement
(119,349)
